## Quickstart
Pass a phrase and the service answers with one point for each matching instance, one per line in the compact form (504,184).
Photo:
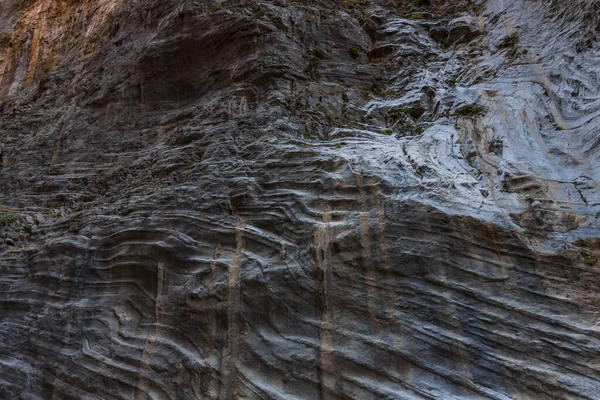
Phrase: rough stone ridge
(357,199)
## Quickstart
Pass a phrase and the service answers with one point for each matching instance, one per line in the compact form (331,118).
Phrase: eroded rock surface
(299,200)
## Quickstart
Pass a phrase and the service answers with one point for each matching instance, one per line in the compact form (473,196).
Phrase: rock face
(299,200)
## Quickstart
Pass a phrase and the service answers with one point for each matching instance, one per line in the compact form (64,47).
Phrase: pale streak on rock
(143,386)
(321,247)
(230,352)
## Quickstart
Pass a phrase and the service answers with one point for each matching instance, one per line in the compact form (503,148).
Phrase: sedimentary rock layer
(299,200)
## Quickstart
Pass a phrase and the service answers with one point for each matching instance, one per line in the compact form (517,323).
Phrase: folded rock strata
(299,200)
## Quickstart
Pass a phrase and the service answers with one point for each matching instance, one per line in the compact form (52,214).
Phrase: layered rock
(299,200)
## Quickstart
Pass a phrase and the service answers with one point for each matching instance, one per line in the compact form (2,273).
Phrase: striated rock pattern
(358,199)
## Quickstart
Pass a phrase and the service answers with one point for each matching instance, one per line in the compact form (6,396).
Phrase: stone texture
(311,199)
(462,29)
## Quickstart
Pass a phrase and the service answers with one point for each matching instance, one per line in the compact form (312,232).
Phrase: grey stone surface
(299,200)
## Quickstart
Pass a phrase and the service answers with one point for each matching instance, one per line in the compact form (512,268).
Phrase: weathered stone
(439,32)
(462,29)
(234,201)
